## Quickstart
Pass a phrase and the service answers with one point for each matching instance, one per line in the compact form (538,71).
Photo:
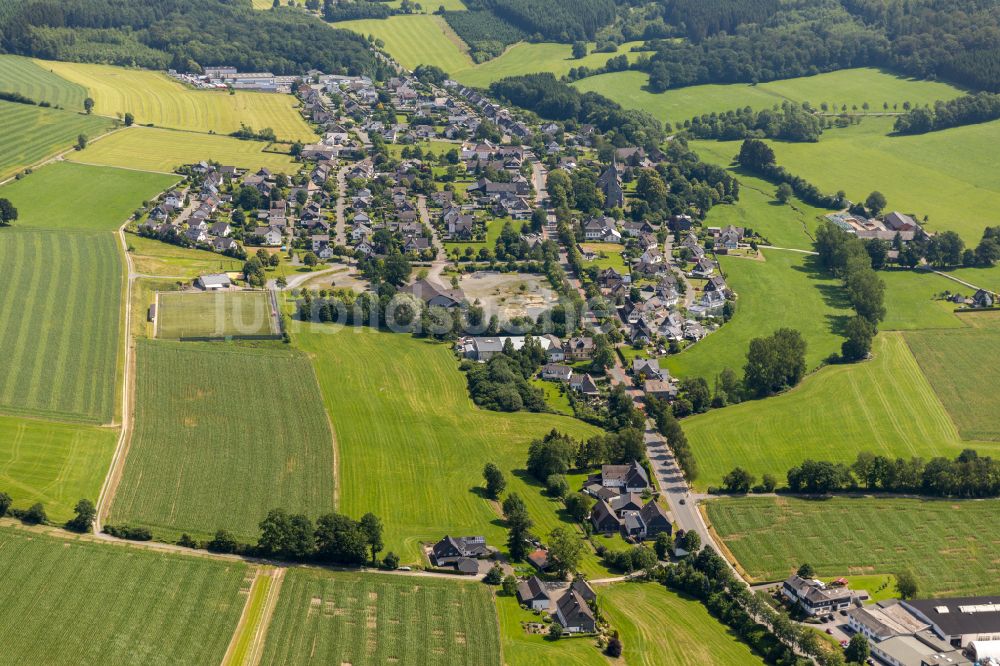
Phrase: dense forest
(701,18)
(486,33)
(747,41)
(550,98)
(184,34)
(553,20)
(967,110)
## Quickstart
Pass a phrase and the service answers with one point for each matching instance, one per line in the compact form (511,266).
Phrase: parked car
(829,631)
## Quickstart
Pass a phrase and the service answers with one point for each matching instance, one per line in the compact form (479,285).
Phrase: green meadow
(416,39)
(523,649)
(784,290)
(59,323)
(851,87)
(75,197)
(352,618)
(29,134)
(885,405)
(530,58)
(948,545)
(659,626)
(223,434)
(53,463)
(411,443)
(31,79)
(80,602)
(946,176)
(961,366)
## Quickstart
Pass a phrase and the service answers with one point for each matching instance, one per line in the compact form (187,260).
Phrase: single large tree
(495,483)
(8,213)
(371,526)
(565,551)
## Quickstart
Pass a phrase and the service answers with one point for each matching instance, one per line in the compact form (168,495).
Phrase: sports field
(946,175)
(223,434)
(416,39)
(885,406)
(963,367)
(529,58)
(785,290)
(364,619)
(948,545)
(59,320)
(29,134)
(75,197)
(848,86)
(412,444)
(81,602)
(53,463)
(164,150)
(29,78)
(215,315)
(153,97)
(659,626)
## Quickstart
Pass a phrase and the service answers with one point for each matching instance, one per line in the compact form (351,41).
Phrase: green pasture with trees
(884,405)
(30,134)
(937,541)
(123,604)
(215,444)
(351,618)
(53,463)
(786,289)
(642,612)
(413,446)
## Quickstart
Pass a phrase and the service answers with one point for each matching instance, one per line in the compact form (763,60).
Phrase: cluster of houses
(620,507)
(204,214)
(568,604)
(886,228)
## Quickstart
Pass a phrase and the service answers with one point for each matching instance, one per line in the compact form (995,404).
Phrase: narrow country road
(441,258)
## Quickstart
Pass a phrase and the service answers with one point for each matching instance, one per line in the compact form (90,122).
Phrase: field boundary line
(110,484)
(260,634)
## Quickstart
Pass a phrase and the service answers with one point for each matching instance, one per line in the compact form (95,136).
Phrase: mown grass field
(609,255)
(412,445)
(848,86)
(27,77)
(153,97)
(523,649)
(659,626)
(53,463)
(785,290)
(80,602)
(416,39)
(944,175)
(948,545)
(529,58)
(363,619)
(29,134)
(961,367)
(911,304)
(223,434)
(885,406)
(154,149)
(75,197)
(153,257)
(214,315)
(59,320)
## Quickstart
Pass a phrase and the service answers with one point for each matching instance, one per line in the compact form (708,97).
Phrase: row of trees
(968,475)
(966,110)
(758,157)
(553,99)
(789,122)
(84,513)
(847,257)
(706,576)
